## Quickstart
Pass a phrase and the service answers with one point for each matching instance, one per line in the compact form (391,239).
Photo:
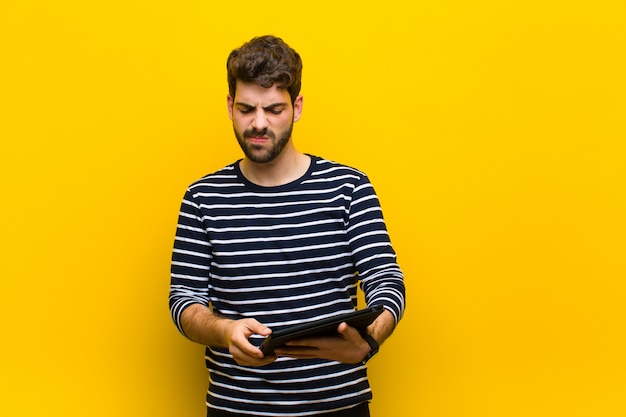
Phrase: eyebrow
(272,106)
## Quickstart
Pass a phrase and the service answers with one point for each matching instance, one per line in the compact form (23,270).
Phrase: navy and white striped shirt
(283,255)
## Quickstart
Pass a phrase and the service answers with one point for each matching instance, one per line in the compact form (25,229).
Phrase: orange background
(493,132)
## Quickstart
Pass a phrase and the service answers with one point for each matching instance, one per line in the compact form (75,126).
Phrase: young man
(275,239)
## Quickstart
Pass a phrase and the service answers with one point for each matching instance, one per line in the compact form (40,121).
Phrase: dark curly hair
(265,60)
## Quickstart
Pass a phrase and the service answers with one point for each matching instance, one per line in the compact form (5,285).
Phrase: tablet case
(359,319)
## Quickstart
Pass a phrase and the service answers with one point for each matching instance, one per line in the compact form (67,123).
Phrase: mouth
(258,139)
(258,135)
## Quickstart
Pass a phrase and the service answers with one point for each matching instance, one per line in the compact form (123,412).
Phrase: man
(275,239)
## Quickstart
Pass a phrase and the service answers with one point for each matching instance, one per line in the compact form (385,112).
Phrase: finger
(295,349)
(300,343)
(252,356)
(297,352)
(242,347)
(255,327)
(342,327)
(247,361)
(347,331)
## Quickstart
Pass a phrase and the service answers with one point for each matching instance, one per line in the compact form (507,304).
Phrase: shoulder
(221,184)
(222,178)
(328,168)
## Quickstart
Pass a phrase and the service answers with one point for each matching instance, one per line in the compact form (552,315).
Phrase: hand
(245,353)
(346,346)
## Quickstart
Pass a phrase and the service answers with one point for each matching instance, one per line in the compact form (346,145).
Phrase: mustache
(258,133)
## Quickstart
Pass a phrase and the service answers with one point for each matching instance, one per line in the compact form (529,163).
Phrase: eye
(246,110)
(275,109)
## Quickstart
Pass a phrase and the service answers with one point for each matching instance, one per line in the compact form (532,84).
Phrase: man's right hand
(206,328)
(245,353)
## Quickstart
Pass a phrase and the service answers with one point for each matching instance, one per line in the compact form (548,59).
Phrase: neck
(285,168)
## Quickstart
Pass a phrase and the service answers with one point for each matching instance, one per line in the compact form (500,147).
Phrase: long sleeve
(191,258)
(381,277)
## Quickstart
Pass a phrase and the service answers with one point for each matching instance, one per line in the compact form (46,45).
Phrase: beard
(257,153)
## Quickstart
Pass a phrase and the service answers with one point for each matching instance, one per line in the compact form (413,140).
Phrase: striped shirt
(283,255)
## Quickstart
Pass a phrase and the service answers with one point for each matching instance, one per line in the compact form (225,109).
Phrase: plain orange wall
(493,131)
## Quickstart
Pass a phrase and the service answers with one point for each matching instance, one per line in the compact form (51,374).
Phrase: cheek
(238,122)
(285,122)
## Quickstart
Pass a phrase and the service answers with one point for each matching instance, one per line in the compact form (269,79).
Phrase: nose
(260,120)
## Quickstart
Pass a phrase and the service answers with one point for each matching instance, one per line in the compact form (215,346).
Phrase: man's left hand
(347,346)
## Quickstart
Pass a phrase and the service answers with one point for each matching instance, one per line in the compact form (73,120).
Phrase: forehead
(254,94)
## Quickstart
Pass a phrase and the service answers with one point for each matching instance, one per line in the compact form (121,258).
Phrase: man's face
(262,120)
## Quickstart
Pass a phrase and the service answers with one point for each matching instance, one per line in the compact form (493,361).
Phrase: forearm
(202,326)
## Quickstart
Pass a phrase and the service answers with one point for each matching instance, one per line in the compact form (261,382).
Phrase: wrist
(373,344)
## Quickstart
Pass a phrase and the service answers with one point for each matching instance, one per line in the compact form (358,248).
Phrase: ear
(229,103)
(297,108)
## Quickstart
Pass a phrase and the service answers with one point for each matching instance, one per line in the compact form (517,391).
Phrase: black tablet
(359,319)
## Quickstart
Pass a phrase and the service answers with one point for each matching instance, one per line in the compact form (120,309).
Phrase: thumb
(258,328)
(347,331)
